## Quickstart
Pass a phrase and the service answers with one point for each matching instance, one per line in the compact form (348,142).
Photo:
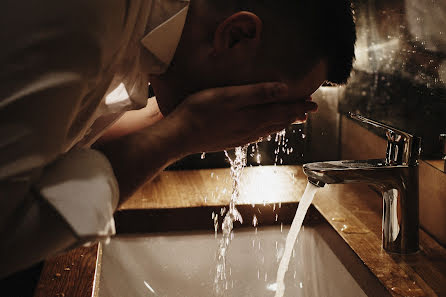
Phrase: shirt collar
(162,41)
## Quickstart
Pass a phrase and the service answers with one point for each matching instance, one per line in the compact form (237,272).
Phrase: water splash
(232,215)
(254,221)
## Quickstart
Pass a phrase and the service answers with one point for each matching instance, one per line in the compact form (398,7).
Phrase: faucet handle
(402,148)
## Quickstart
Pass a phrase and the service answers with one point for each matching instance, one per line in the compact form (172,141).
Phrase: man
(225,73)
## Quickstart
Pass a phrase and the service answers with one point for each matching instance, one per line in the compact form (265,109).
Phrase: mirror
(399,77)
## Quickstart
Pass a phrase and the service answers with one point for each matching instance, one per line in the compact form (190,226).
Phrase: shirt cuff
(82,187)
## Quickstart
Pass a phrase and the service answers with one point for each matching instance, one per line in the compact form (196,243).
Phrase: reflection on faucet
(396,177)
(391,227)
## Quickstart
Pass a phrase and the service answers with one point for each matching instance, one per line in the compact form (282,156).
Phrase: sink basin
(183,263)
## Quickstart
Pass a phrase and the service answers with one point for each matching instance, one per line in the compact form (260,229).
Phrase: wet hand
(221,118)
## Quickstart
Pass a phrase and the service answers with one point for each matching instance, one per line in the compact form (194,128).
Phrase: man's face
(171,89)
(309,83)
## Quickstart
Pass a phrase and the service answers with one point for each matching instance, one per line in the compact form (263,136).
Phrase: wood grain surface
(212,187)
(70,274)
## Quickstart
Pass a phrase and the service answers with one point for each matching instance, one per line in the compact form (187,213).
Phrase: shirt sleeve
(51,196)
(81,186)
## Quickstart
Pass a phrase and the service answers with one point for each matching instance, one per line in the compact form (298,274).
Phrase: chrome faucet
(396,177)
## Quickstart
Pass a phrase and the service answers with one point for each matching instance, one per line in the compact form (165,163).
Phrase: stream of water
(302,209)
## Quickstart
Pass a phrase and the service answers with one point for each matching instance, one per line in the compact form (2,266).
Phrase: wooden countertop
(354,211)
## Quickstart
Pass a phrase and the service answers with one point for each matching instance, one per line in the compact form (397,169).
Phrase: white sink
(183,264)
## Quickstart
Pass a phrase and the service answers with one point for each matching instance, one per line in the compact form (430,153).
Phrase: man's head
(235,42)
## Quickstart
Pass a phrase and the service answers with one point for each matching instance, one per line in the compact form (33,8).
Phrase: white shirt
(68,70)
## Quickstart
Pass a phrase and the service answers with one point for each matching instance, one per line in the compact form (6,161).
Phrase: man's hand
(210,120)
(217,119)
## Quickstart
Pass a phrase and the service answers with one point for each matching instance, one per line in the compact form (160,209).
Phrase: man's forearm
(140,156)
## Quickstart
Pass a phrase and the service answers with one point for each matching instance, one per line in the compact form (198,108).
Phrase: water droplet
(408,292)
(335,219)
(254,221)
(272,287)
(353,230)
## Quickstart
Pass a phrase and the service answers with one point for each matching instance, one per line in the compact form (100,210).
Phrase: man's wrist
(140,156)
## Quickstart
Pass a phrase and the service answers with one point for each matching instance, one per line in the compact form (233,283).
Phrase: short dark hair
(327,28)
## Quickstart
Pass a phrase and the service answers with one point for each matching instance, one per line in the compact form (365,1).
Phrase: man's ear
(240,28)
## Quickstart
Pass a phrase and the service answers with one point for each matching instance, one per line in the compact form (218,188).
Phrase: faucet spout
(399,189)
(373,171)
(396,177)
